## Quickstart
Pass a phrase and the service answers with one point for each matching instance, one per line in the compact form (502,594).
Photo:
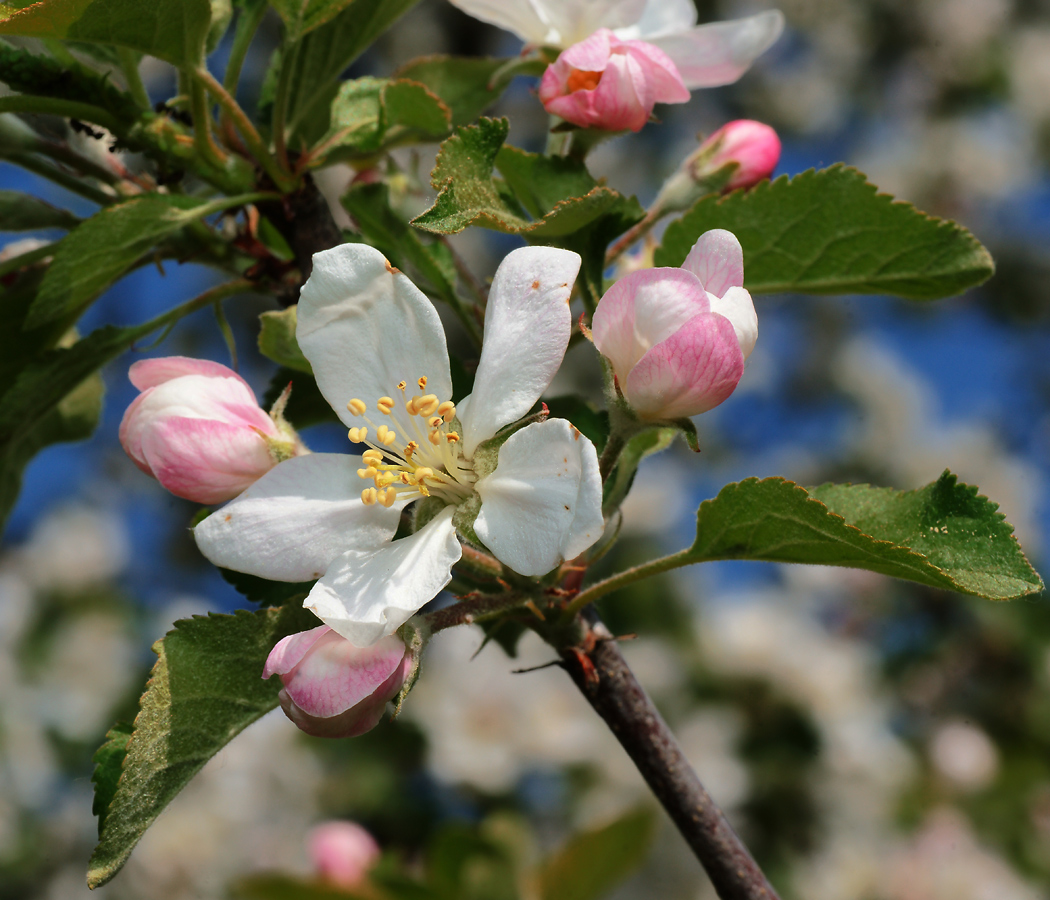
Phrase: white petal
(527,326)
(717,259)
(543,503)
(296,519)
(719,53)
(738,307)
(368,594)
(364,327)
(525,19)
(661,17)
(577,20)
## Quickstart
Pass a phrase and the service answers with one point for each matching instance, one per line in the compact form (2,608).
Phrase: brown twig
(602,675)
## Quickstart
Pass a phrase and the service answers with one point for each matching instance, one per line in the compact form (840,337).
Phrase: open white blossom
(705,55)
(369,334)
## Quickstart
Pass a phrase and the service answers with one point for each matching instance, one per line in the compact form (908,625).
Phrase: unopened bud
(753,146)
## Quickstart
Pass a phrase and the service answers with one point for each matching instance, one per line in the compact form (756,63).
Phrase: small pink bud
(333,688)
(611,84)
(198,429)
(678,338)
(342,853)
(753,146)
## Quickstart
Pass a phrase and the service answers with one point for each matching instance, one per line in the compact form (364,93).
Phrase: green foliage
(277,339)
(831,232)
(560,193)
(301,16)
(641,445)
(944,535)
(371,114)
(204,690)
(369,204)
(593,863)
(467,85)
(306,405)
(109,760)
(266,592)
(106,246)
(316,62)
(24,212)
(172,30)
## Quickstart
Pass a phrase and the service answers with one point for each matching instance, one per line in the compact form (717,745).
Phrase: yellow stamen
(411,406)
(372,457)
(422,472)
(410,448)
(452,437)
(369,496)
(384,435)
(434,437)
(385,404)
(387,497)
(427,404)
(357,407)
(370,472)
(435,422)
(446,410)
(422,382)
(401,385)
(358,434)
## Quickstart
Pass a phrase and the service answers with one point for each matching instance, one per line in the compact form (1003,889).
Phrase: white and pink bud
(343,853)
(198,429)
(332,688)
(677,339)
(611,84)
(752,146)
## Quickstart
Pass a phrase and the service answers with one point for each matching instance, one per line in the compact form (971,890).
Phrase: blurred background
(870,739)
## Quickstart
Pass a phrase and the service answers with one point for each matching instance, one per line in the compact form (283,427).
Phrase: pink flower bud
(333,688)
(678,338)
(753,146)
(604,82)
(342,853)
(198,429)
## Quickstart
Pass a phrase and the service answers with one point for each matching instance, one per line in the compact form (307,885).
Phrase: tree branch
(602,675)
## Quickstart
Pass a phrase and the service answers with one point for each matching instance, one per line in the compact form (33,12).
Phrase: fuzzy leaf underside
(944,535)
(831,232)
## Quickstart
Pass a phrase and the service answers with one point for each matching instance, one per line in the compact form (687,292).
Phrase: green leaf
(106,246)
(286,887)
(23,212)
(306,405)
(831,232)
(369,204)
(265,592)
(370,114)
(944,535)
(593,863)
(321,57)
(301,16)
(277,339)
(645,443)
(109,760)
(204,690)
(467,85)
(469,195)
(173,30)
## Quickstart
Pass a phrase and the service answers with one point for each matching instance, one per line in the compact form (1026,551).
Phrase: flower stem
(248,23)
(203,139)
(69,109)
(62,178)
(603,677)
(473,609)
(129,65)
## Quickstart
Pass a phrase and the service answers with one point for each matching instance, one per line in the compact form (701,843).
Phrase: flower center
(582,80)
(416,455)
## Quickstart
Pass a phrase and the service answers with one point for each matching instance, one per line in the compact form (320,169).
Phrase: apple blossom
(332,688)
(612,84)
(753,146)
(368,332)
(705,55)
(198,429)
(677,339)
(342,853)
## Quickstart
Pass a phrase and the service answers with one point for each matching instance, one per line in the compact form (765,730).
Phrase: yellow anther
(427,404)
(369,496)
(383,479)
(422,382)
(357,407)
(405,478)
(423,490)
(385,436)
(452,437)
(358,434)
(435,422)
(447,410)
(385,404)
(434,437)
(401,385)
(387,497)
(410,448)
(372,457)
(370,472)
(422,472)
(412,406)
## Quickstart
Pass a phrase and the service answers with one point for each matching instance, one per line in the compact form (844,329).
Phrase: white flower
(369,334)
(706,55)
